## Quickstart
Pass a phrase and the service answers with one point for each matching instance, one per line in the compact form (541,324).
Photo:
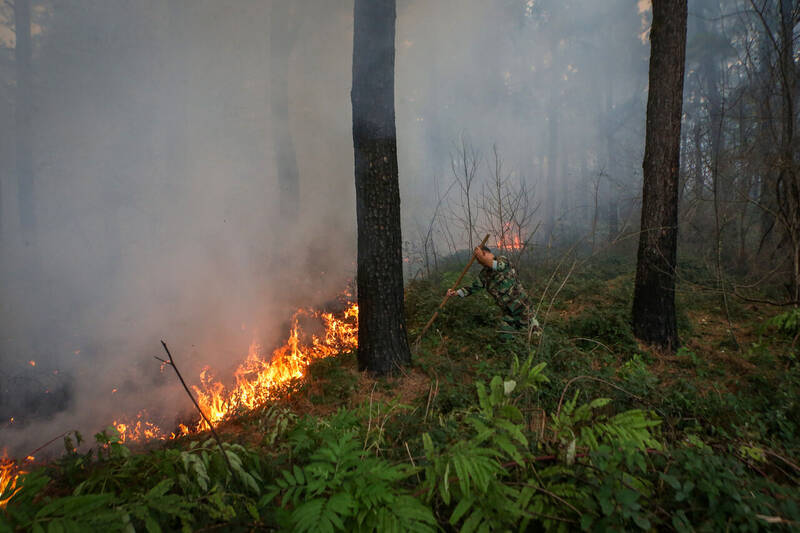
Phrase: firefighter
(500,280)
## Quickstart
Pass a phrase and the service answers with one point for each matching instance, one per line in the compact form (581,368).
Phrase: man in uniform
(499,279)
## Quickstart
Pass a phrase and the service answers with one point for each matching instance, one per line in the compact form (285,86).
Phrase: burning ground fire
(509,240)
(9,472)
(257,381)
(258,378)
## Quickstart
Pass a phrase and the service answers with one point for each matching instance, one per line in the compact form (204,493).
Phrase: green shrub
(610,325)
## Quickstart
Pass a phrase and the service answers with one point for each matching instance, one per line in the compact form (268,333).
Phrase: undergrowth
(583,429)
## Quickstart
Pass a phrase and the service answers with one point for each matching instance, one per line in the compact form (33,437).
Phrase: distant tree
(382,341)
(654,319)
(786,187)
(282,33)
(552,165)
(23,112)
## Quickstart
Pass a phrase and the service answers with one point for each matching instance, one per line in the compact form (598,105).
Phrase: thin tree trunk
(382,341)
(611,168)
(787,187)
(654,320)
(552,171)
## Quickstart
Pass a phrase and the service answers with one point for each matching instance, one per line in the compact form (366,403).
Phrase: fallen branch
(32,455)
(171,363)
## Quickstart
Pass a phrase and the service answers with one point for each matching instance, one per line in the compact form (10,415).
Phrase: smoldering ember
(399,265)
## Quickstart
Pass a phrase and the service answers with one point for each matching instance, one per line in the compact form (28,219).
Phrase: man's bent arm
(469,289)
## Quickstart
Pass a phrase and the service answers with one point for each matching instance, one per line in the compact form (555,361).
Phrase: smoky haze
(162,136)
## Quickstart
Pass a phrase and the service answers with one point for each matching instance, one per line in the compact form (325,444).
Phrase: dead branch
(171,363)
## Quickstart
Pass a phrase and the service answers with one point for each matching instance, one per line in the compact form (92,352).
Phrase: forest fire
(509,240)
(258,378)
(9,472)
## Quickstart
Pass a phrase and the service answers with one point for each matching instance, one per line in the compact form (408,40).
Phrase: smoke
(158,143)
(158,207)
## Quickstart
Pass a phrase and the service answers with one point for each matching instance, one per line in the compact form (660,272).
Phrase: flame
(509,240)
(32,363)
(9,473)
(258,378)
(139,428)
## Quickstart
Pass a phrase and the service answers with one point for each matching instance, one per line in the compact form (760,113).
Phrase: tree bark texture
(787,188)
(654,319)
(382,340)
(23,113)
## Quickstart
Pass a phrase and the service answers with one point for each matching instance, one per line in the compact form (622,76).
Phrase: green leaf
(290,480)
(496,386)
(298,474)
(515,430)
(151,525)
(472,523)
(461,509)
(599,402)
(56,526)
(341,503)
(74,505)
(159,490)
(511,450)
(445,486)
(642,521)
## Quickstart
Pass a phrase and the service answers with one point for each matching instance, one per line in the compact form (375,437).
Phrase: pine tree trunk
(654,319)
(23,112)
(382,341)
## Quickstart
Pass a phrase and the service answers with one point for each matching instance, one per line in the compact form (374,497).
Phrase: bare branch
(171,363)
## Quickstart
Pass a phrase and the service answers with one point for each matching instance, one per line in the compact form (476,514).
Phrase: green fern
(787,323)
(342,488)
(582,426)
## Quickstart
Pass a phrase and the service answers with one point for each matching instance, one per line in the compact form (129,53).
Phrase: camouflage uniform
(500,280)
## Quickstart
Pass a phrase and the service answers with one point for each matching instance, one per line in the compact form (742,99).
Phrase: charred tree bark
(23,113)
(654,319)
(382,341)
(281,42)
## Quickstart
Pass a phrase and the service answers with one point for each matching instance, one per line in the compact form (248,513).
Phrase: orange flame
(9,473)
(258,378)
(509,240)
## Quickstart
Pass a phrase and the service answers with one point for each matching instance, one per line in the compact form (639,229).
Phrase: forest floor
(470,436)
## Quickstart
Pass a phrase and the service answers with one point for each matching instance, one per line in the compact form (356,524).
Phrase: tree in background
(382,342)
(282,32)
(23,112)
(654,318)
(786,187)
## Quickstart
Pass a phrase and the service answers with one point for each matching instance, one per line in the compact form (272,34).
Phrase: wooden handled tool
(454,287)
